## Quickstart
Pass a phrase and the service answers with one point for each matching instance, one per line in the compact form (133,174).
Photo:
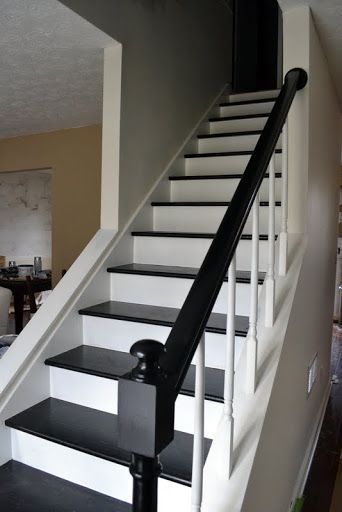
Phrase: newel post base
(145,472)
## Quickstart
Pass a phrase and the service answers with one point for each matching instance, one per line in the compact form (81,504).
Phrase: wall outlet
(312,373)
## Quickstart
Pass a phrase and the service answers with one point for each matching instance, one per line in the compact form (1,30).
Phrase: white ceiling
(51,64)
(328,19)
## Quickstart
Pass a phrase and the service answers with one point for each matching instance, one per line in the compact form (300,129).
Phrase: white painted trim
(110,172)
(310,451)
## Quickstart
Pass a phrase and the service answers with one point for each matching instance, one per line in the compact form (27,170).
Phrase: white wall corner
(111,137)
(296,33)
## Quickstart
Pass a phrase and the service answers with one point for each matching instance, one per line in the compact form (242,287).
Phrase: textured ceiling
(328,19)
(51,64)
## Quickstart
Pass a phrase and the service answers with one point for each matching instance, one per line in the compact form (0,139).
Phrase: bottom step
(25,489)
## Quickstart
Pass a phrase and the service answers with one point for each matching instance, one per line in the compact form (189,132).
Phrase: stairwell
(65,453)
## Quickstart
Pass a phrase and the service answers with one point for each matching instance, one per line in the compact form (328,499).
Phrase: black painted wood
(96,433)
(244,116)
(214,176)
(179,234)
(111,364)
(25,489)
(187,331)
(203,203)
(242,276)
(228,134)
(247,102)
(223,153)
(157,315)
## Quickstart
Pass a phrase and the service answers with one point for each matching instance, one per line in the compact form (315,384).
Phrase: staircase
(65,452)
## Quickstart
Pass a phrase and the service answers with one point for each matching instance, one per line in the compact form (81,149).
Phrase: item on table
(25,270)
(9,272)
(37,265)
(12,264)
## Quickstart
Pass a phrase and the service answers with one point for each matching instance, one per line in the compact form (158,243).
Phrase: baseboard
(310,451)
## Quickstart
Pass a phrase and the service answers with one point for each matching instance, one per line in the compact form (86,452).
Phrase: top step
(253,96)
(247,102)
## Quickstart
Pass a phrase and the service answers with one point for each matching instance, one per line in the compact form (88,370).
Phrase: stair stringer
(57,327)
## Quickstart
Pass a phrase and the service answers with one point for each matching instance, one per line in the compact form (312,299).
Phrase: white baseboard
(310,451)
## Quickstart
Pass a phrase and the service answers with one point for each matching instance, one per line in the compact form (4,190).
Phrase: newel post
(146,421)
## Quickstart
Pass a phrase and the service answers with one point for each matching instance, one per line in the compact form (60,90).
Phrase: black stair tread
(223,153)
(95,432)
(247,102)
(111,364)
(25,489)
(242,276)
(180,234)
(229,134)
(159,315)
(214,176)
(203,203)
(242,116)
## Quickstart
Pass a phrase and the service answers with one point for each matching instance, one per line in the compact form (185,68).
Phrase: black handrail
(147,394)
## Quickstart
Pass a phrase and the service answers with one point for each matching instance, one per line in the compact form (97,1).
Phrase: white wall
(176,56)
(293,417)
(25,216)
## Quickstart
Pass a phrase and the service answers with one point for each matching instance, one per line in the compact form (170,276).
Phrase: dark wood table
(18,287)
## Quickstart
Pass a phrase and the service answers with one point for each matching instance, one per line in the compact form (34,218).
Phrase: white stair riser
(237,125)
(190,252)
(221,164)
(102,394)
(249,109)
(93,472)
(233,143)
(204,219)
(251,96)
(120,335)
(215,190)
(171,292)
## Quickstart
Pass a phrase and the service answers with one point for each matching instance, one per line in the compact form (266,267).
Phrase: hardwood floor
(322,477)
(336,504)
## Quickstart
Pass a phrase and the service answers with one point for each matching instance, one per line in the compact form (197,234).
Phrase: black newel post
(146,421)
(145,472)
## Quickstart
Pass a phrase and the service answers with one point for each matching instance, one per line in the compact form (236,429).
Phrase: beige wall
(75,158)
(292,417)
(176,56)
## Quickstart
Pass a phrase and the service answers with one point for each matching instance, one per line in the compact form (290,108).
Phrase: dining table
(18,287)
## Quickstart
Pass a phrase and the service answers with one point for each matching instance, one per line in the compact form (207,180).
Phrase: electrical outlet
(312,373)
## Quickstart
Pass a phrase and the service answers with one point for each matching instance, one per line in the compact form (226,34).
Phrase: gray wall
(314,139)
(177,54)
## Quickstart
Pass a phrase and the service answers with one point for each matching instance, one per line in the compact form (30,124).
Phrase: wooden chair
(31,296)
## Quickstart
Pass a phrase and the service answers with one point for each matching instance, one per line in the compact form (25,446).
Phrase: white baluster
(284,205)
(228,416)
(252,342)
(270,283)
(198,448)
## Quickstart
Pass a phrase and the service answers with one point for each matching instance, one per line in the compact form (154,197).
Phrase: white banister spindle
(228,416)
(252,342)
(270,283)
(284,204)
(198,448)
